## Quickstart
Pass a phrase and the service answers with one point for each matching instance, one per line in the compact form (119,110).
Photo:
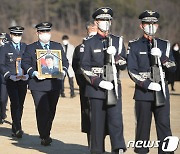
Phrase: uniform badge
(105,10)
(81,49)
(151,12)
(142,53)
(97,50)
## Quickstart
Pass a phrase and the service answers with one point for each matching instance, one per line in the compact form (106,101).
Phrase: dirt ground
(66,134)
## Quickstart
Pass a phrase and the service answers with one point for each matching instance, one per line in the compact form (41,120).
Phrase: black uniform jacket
(139,65)
(29,64)
(8,59)
(93,56)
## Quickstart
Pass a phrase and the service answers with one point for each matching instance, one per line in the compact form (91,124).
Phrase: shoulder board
(114,35)
(163,40)
(89,37)
(133,40)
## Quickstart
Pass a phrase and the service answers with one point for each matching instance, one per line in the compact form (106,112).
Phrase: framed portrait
(19,70)
(49,63)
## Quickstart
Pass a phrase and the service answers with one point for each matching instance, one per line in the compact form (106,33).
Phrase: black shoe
(63,95)
(118,151)
(18,134)
(46,142)
(1,121)
(73,95)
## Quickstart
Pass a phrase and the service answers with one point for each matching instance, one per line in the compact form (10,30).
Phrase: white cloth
(62,75)
(111,50)
(69,55)
(156,52)
(154,86)
(14,78)
(106,85)
(36,74)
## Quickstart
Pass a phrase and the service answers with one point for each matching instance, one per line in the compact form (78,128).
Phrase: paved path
(67,138)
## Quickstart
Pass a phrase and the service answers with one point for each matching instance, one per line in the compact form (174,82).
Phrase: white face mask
(104,25)
(16,39)
(45,37)
(176,48)
(150,29)
(92,33)
(65,42)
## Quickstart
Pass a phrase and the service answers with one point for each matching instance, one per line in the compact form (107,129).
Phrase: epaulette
(87,38)
(114,35)
(133,40)
(163,40)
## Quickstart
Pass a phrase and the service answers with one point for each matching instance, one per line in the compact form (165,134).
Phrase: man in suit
(45,92)
(49,68)
(69,50)
(16,83)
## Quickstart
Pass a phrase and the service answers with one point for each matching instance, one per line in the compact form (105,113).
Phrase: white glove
(106,85)
(36,74)
(111,50)
(62,75)
(156,52)
(154,86)
(14,78)
(25,77)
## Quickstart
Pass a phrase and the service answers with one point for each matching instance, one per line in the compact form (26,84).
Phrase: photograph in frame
(19,70)
(49,63)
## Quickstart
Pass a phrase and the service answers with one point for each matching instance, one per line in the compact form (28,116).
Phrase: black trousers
(45,103)
(85,111)
(144,111)
(71,84)
(3,101)
(100,114)
(17,93)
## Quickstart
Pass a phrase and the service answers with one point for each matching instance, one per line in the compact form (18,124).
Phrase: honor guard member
(45,92)
(97,51)
(143,54)
(91,28)
(16,80)
(3,90)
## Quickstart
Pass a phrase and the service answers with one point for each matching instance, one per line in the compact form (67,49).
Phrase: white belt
(146,75)
(97,70)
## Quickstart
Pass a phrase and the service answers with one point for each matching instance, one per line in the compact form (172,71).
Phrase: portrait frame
(19,70)
(56,62)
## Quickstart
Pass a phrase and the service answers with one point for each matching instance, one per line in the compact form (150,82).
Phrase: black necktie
(46,46)
(17,48)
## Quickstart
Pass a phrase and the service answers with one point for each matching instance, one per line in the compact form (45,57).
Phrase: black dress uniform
(92,62)
(139,68)
(81,81)
(16,88)
(45,92)
(3,90)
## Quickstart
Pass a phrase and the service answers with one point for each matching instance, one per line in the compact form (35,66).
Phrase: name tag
(10,53)
(97,50)
(142,53)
